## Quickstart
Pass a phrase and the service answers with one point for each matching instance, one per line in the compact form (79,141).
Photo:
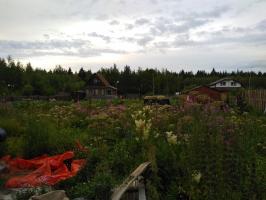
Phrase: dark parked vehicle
(156,100)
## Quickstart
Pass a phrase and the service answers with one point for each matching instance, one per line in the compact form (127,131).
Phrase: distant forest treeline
(16,79)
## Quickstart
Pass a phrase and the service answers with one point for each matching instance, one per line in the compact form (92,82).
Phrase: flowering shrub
(196,151)
(142,123)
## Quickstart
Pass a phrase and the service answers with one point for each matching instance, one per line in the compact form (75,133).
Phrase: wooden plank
(142,195)
(118,193)
(256,98)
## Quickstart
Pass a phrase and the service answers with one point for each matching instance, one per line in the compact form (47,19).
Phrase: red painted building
(210,94)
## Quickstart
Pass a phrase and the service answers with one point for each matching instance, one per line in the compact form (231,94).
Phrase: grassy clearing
(196,150)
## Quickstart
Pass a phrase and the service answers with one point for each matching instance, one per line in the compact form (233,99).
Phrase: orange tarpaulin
(44,170)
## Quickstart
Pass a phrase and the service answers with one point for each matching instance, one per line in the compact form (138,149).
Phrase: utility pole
(167,86)
(153,84)
(117,82)
(140,91)
(249,92)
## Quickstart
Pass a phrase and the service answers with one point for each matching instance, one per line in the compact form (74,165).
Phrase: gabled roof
(103,80)
(205,86)
(223,79)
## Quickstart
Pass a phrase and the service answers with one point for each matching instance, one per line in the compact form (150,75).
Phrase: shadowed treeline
(16,79)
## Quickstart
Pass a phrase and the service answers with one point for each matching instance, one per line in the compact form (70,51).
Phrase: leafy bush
(37,138)
(98,188)
(12,126)
(25,194)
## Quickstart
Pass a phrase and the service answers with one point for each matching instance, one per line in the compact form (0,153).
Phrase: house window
(95,81)
(109,92)
(233,83)
(223,83)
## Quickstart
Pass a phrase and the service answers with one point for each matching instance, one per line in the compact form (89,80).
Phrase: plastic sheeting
(42,170)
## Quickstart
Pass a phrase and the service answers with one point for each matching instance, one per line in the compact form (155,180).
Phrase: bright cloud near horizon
(170,34)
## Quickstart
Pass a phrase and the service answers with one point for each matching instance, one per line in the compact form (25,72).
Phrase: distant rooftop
(223,79)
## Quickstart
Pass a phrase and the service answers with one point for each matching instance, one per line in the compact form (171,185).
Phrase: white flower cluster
(143,125)
(196,176)
(171,138)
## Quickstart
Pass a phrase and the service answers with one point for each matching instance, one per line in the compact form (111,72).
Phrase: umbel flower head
(196,176)
(171,138)
(143,126)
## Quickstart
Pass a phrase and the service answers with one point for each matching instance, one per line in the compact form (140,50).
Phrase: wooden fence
(256,99)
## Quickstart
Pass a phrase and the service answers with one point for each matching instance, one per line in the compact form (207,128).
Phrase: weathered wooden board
(118,193)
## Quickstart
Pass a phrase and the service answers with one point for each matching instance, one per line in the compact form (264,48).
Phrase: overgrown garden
(196,151)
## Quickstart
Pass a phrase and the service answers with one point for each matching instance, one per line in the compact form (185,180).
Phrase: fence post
(142,195)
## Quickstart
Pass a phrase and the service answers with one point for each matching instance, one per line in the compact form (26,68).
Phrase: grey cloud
(83,52)
(261,25)
(215,38)
(183,40)
(103,37)
(141,21)
(46,36)
(179,21)
(255,39)
(102,17)
(129,26)
(252,35)
(188,21)
(127,39)
(260,1)
(144,40)
(210,13)
(123,2)
(154,1)
(214,13)
(80,48)
(114,22)
(51,44)
(164,26)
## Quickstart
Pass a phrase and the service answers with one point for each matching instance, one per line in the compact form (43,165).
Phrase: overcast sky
(173,34)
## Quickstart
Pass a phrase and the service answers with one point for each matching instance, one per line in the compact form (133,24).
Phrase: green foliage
(196,151)
(98,188)
(2,182)
(12,126)
(27,90)
(25,194)
(37,138)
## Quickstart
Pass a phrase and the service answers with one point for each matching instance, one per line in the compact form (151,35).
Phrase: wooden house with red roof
(215,91)
(198,93)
